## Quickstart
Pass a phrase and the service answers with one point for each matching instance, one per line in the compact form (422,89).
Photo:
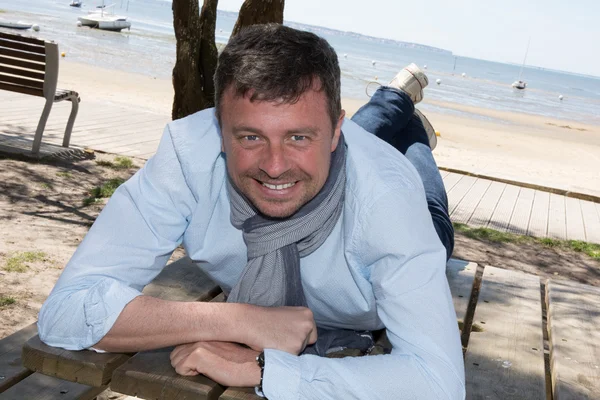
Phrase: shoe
(411,80)
(428,129)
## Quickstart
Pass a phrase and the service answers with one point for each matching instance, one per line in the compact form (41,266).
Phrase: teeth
(279,187)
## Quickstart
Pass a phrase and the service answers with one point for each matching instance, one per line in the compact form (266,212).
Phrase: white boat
(105,19)
(15,25)
(76,3)
(521,84)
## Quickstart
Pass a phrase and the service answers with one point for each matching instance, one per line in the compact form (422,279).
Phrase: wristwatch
(260,360)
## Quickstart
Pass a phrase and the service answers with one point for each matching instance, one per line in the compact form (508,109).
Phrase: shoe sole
(428,129)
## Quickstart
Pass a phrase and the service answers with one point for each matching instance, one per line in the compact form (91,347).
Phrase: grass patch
(491,235)
(487,234)
(5,300)
(67,175)
(105,190)
(118,163)
(17,263)
(46,185)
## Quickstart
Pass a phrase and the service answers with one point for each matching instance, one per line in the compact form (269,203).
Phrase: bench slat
(235,393)
(181,280)
(21,89)
(21,81)
(506,359)
(22,64)
(42,387)
(17,45)
(22,72)
(11,369)
(574,326)
(22,55)
(24,39)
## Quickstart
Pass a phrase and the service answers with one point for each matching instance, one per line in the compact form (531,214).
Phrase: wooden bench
(30,66)
(510,353)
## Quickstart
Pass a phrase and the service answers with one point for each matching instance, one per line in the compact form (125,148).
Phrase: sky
(565,34)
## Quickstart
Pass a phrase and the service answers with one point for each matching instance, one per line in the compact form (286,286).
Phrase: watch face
(260,359)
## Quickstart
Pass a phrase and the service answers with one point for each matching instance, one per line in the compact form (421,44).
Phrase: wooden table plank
(575,228)
(538,222)
(482,214)
(460,275)
(11,370)
(180,281)
(519,221)
(42,387)
(149,375)
(234,393)
(574,326)
(504,209)
(591,221)
(469,203)
(557,224)
(506,359)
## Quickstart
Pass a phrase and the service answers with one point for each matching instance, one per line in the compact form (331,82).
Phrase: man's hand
(288,329)
(226,363)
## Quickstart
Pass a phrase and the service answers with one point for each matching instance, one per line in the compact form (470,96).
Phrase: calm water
(149,48)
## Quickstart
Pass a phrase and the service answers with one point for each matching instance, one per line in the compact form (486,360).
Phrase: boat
(521,84)
(76,3)
(105,19)
(15,25)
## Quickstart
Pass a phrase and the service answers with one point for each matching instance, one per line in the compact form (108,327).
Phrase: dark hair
(278,62)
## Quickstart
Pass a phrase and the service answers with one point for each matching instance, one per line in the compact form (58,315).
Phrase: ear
(337,131)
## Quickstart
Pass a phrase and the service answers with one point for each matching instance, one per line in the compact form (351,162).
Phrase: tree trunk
(259,12)
(196,56)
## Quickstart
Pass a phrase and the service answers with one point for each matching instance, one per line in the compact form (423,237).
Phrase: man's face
(278,154)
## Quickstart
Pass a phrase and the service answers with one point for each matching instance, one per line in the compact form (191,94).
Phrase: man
(301,224)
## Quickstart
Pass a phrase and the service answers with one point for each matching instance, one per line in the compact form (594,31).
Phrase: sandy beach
(515,146)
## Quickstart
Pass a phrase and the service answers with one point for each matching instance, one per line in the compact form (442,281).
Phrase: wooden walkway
(522,338)
(509,208)
(134,131)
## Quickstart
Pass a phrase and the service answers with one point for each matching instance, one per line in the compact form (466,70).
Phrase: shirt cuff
(103,305)
(281,377)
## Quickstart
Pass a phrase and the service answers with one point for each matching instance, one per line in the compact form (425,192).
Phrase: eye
(251,138)
(298,138)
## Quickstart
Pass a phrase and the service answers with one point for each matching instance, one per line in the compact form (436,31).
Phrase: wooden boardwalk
(133,131)
(509,208)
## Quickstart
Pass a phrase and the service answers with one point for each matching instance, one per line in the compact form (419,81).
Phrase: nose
(274,161)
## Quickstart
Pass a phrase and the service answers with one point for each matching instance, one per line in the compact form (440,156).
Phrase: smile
(278,187)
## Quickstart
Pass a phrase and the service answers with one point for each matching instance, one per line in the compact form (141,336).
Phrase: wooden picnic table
(523,339)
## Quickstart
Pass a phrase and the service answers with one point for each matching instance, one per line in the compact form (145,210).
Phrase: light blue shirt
(382,266)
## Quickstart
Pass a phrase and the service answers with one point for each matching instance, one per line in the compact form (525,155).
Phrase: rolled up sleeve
(127,246)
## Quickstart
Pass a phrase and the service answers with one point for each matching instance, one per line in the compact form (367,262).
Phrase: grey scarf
(271,277)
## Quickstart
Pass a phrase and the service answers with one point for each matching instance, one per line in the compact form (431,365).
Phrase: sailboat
(105,19)
(521,84)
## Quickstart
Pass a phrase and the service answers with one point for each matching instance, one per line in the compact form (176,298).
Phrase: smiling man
(318,231)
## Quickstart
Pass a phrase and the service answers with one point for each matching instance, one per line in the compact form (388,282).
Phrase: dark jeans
(389,116)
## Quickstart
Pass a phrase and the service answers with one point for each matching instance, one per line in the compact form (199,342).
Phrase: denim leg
(389,116)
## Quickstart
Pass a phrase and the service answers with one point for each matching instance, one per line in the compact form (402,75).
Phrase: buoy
(438,81)
(375,77)
(79,24)
(437,133)
(35,27)
(425,66)
(560,97)
(63,54)
(220,30)
(464,75)
(345,55)
(373,62)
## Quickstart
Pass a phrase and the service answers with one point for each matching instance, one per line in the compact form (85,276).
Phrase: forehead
(310,108)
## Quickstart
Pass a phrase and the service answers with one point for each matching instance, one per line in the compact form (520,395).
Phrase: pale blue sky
(565,34)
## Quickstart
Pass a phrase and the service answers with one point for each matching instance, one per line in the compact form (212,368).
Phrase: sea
(149,48)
